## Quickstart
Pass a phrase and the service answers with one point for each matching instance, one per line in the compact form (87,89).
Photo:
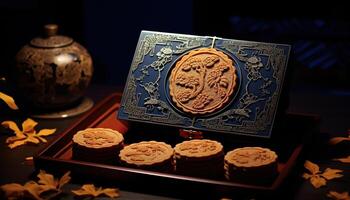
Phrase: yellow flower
(27,134)
(33,190)
(318,179)
(92,191)
(344,160)
(336,140)
(338,196)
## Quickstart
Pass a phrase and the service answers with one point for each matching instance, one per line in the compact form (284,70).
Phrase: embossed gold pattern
(198,148)
(98,137)
(260,71)
(202,81)
(146,153)
(251,156)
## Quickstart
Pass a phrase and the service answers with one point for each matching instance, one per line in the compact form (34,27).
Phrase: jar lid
(51,39)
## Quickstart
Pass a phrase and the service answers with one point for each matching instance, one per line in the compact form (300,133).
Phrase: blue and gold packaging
(233,87)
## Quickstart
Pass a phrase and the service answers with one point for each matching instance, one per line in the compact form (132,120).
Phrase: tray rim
(43,157)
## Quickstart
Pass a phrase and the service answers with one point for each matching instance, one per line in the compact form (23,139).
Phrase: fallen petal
(9,101)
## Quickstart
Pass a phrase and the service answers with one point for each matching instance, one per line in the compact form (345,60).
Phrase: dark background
(319,63)
(319,34)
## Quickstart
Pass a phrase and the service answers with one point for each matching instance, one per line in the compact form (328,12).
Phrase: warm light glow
(63,59)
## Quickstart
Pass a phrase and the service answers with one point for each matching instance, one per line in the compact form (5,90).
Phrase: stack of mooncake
(149,155)
(199,157)
(101,145)
(251,165)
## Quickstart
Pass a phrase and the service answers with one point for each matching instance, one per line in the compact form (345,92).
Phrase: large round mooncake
(202,81)
(97,145)
(203,158)
(150,155)
(251,164)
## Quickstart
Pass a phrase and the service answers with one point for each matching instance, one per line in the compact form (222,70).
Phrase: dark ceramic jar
(53,71)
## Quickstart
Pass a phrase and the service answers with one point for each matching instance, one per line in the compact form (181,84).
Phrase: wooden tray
(288,143)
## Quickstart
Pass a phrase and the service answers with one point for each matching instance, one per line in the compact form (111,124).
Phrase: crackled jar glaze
(52,71)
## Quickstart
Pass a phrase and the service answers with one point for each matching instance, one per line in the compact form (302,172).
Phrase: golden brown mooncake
(199,157)
(97,145)
(150,155)
(251,164)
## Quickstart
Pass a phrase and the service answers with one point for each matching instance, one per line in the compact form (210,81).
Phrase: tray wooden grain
(57,156)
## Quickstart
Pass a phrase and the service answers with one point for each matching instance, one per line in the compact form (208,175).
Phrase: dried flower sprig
(34,190)
(338,196)
(336,140)
(343,160)
(27,134)
(89,190)
(318,179)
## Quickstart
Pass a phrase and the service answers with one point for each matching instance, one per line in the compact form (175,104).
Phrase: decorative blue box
(250,110)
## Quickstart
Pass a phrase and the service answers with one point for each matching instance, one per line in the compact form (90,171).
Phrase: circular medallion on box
(202,81)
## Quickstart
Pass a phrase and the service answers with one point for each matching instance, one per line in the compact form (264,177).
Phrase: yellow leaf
(17,191)
(64,180)
(47,179)
(337,140)
(86,190)
(45,132)
(32,140)
(9,101)
(17,143)
(312,167)
(111,192)
(338,196)
(317,181)
(307,176)
(331,173)
(49,182)
(344,160)
(34,189)
(28,134)
(42,139)
(13,190)
(13,126)
(14,139)
(91,190)
(316,178)
(28,125)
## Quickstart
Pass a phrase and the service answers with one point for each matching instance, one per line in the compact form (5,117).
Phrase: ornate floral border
(145,99)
